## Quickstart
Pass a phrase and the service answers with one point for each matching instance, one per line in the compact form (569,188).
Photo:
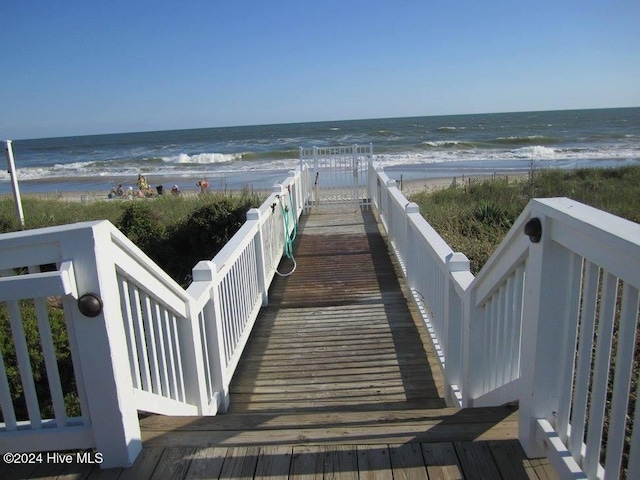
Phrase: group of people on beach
(144,190)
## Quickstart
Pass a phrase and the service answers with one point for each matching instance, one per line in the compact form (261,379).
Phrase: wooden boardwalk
(338,380)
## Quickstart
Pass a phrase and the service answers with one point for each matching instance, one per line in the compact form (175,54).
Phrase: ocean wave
(271,155)
(203,158)
(448,144)
(535,152)
(515,140)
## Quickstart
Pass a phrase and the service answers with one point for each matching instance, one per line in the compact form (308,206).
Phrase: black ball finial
(90,305)
(533,229)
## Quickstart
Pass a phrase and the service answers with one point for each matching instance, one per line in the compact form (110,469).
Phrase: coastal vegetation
(473,217)
(175,231)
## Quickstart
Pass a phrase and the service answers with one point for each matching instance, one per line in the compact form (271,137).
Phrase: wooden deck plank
(206,463)
(240,463)
(407,462)
(343,309)
(375,415)
(341,462)
(174,463)
(307,463)
(144,465)
(441,461)
(274,462)
(374,462)
(476,461)
(18,471)
(335,435)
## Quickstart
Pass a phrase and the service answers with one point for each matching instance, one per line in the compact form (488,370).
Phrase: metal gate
(338,176)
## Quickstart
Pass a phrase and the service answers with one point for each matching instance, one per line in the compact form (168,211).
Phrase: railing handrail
(170,344)
(508,333)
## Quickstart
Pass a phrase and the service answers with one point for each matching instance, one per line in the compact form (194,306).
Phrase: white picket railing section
(339,175)
(537,325)
(151,346)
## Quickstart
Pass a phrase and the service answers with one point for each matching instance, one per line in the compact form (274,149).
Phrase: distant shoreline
(409,186)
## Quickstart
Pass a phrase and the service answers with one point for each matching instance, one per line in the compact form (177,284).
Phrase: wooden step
(358,427)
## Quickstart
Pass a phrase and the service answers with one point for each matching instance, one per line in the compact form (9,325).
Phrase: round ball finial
(533,229)
(90,305)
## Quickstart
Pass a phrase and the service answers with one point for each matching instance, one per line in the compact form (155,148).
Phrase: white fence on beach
(138,341)
(550,322)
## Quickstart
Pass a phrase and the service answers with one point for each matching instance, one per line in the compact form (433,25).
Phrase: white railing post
(458,266)
(101,343)
(544,334)
(207,271)
(388,210)
(253,215)
(412,254)
(192,356)
(14,181)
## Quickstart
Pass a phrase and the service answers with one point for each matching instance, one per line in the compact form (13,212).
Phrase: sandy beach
(408,187)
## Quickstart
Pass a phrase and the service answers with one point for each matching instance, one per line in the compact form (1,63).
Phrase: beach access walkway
(323,389)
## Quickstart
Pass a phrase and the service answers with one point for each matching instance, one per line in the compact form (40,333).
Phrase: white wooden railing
(138,341)
(550,322)
(537,325)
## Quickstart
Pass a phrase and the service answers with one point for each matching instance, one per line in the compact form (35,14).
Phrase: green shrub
(34,347)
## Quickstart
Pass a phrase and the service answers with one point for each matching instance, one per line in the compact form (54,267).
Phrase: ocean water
(257,156)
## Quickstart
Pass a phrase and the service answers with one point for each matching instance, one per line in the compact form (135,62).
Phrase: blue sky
(83,67)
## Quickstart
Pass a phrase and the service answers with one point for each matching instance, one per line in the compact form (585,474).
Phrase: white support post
(14,181)
(544,331)
(102,351)
(472,347)
(388,210)
(301,161)
(192,356)
(253,215)
(412,210)
(295,191)
(458,266)
(354,165)
(207,271)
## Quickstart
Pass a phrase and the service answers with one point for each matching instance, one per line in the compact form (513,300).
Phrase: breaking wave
(203,158)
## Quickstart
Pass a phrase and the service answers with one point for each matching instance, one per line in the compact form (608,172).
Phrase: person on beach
(120,191)
(204,186)
(142,183)
(175,190)
(144,190)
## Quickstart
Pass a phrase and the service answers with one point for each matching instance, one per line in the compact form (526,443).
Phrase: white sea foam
(535,152)
(203,158)
(444,143)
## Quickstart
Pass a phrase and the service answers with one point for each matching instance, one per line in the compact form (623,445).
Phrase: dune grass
(473,218)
